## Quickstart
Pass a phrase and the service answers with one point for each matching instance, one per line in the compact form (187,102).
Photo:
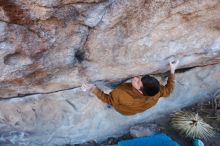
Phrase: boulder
(144,129)
(48,48)
(73,116)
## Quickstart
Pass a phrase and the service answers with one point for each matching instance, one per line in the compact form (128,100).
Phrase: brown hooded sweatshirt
(128,101)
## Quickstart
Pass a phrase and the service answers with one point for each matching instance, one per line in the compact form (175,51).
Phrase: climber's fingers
(173,65)
(87,87)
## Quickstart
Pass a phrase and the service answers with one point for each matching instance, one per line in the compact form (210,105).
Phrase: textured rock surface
(73,116)
(55,45)
(49,47)
(144,129)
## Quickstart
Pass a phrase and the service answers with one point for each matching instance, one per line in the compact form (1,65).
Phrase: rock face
(50,47)
(144,129)
(55,45)
(74,116)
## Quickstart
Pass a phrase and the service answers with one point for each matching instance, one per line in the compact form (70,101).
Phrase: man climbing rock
(139,95)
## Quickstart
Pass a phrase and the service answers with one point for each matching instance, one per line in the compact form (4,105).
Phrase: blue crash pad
(159,139)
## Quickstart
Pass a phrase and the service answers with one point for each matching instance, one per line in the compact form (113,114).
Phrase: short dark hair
(151,86)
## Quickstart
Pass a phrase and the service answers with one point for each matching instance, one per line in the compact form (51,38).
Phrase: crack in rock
(109,84)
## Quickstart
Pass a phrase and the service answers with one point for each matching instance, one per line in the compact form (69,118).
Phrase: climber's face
(136,83)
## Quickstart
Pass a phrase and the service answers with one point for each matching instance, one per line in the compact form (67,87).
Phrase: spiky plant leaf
(191,125)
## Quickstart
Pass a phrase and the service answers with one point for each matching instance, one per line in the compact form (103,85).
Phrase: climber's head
(146,85)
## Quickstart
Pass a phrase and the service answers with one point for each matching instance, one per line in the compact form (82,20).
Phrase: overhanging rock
(48,46)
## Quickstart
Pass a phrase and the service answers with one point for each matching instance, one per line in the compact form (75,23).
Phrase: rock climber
(141,94)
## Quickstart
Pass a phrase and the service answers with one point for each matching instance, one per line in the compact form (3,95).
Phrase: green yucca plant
(191,125)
